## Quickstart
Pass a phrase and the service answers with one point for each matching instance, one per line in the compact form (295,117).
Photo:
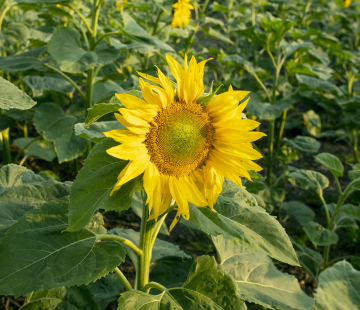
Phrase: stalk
(6,146)
(340,202)
(354,141)
(146,242)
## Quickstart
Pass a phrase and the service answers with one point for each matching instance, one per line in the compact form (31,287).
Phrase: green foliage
(332,163)
(92,187)
(243,223)
(13,98)
(338,288)
(59,128)
(258,280)
(62,298)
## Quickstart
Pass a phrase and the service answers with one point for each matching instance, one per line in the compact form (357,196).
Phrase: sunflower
(183,147)
(347,3)
(182,13)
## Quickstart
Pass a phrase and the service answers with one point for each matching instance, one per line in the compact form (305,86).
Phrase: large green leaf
(339,288)
(300,211)
(258,279)
(39,148)
(92,186)
(36,254)
(312,122)
(351,210)
(267,111)
(161,250)
(208,287)
(309,179)
(305,144)
(59,128)
(12,97)
(332,163)
(95,131)
(244,223)
(106,289)
(62,298)
(18,200)
(319,235)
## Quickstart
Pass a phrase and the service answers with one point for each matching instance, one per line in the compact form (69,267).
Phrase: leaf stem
(150,285)
(123,279)
(81,16)
(125,241)
(66,77)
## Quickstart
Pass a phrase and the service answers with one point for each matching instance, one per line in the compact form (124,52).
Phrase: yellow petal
(127,151)
(124,136)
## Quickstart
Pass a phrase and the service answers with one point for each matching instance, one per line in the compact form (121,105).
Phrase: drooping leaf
(300,211)
(161,250)
(305,144)
(106,289)
(339,288)
(95,131)
(351,210)
(62,298)
(92,186)
(59,128)
(12,97)
(244,223)
(258,280)
(331,162)
(309,179)
(314,83)
(39,148)
(319,235)
(267,111)
(36,254)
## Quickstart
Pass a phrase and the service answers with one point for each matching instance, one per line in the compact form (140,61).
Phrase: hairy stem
(123,279)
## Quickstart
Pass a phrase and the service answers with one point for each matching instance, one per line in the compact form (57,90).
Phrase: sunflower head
(183,148)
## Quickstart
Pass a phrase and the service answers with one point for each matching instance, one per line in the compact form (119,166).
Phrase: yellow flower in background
(347,3)
(182,13)
(119,7)
(184,148)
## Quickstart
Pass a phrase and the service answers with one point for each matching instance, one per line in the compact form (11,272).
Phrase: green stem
(281,130)
(6,146)
(327,213)
(146,241)
(340,202)
(3,13)
(125,241)
(156,22)
(106,35)
(66,77)
(284,191)
(81,16)
(156,285)
(270,151)
(123,279)
(354,145)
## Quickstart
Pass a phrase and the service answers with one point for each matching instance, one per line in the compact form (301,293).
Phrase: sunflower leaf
(258,280)
(92,186)
(36,254)
(338,288)
(208,287)
(244,223)
(62,298)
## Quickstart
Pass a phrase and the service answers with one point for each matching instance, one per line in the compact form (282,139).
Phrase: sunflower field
(190,154)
